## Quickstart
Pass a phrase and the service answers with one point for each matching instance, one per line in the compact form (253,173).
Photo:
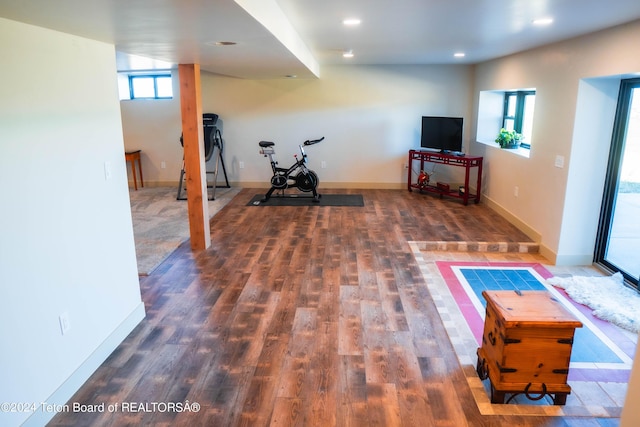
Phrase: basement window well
(508,109)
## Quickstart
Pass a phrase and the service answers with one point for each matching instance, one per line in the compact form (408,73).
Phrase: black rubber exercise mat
(304,200)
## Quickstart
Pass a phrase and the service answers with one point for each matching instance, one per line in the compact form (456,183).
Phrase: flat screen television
(441,133)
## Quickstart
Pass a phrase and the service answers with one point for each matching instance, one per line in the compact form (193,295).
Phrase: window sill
(520,151)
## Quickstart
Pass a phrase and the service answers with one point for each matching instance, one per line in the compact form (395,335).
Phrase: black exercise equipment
(297,175)
(213,143)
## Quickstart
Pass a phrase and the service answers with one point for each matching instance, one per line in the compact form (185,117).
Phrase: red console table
(466,162)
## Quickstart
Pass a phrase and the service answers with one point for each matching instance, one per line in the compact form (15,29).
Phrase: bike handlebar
(314,141)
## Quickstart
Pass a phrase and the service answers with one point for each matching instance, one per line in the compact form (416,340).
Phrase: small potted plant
(509,138)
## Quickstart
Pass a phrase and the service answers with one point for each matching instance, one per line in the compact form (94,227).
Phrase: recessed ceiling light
(291,76)
(459,54)
(351,22)
(543,21)
(347,54)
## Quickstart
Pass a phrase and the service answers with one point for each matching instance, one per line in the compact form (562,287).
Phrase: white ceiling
(276,38)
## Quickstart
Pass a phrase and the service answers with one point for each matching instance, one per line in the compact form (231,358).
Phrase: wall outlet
(64,323)
(241,164)
(516,191)
(559,163)
(163,165)
(323,164)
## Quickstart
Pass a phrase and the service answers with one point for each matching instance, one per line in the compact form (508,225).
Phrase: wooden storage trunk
(526,345)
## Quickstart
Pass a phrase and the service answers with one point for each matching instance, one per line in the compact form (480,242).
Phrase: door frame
(612,177)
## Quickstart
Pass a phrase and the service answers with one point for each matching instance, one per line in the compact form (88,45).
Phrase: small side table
(132,156)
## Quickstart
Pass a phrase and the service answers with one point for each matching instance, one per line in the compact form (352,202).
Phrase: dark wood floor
(307,316)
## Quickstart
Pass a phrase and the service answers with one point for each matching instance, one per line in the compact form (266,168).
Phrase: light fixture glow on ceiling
(222,43)
(459,54)
(351,22)
(347,54)
(542,21)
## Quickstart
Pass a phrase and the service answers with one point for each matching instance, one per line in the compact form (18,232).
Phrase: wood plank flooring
(301,316)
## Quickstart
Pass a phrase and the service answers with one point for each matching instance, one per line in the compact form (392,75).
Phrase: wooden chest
(526,345)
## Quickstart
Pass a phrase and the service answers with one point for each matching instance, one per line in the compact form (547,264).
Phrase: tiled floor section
(589,397)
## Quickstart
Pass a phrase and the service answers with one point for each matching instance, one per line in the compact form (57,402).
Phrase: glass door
(619,235)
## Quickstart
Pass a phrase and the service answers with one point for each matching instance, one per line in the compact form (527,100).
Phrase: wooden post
(196,176)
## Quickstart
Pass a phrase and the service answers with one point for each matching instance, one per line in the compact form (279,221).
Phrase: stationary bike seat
(265,144)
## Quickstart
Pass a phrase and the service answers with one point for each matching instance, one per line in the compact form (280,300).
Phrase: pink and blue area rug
(602,354)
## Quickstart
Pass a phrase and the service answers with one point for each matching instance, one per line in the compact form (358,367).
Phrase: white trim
(66,391)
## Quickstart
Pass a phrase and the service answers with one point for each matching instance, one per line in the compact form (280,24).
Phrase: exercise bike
(297,175)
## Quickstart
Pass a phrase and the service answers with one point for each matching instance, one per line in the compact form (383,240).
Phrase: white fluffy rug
(608,297)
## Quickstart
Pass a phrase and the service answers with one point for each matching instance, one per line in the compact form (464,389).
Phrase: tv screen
(441,133)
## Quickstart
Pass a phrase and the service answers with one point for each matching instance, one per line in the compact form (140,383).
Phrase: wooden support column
(194,164)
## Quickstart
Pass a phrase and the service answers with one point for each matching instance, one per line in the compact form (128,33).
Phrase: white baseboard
(66,391)
(333,185)
(584,259)
(323,185)
(517,222)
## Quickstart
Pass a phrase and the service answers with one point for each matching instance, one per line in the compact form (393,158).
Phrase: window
(618,235)
(157,86)
(518,113)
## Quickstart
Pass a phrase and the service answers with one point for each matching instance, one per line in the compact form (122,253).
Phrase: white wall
(595,113)
(154,126)
(67,237)
(370,116)
(560,204)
